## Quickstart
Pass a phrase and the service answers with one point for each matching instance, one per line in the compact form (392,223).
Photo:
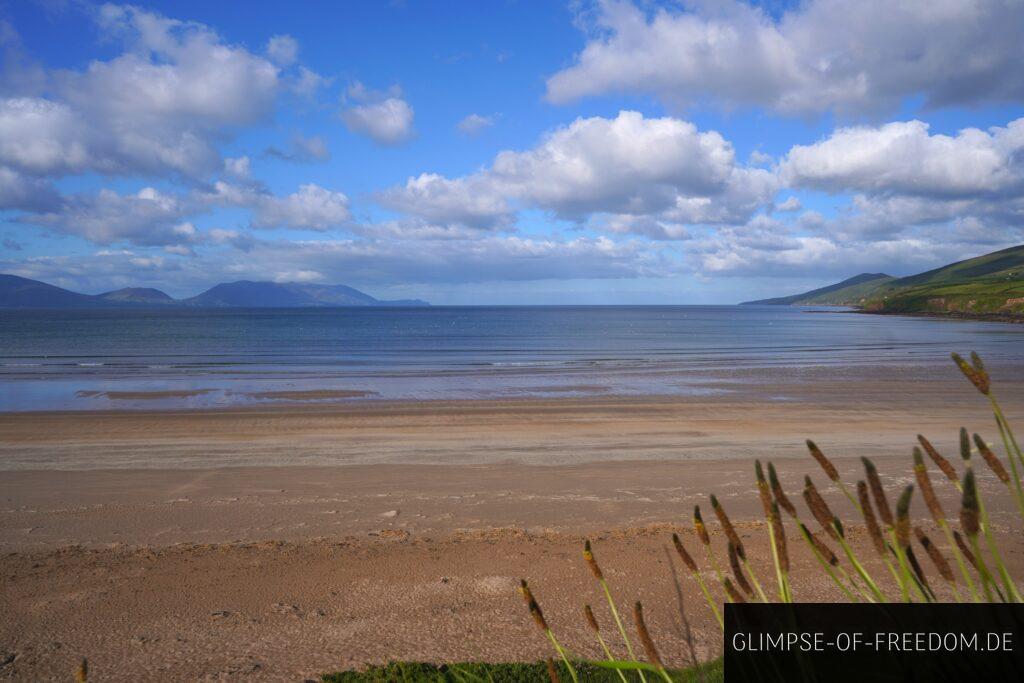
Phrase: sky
(508,152)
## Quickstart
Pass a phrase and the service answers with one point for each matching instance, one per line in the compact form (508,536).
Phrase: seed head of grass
(779,534)
(591,619)
(965,550)
(940,462)
(552,671)
(727,527)
(830,470)
(531,604)
(878,492)
(737,570)
(991,460)
(965,445)
(903,517)
(819,508)
(925,484)
(683,554)
(977,374)
(870,521)
(945,571)
(588,556)
(780,495)
(699,527)
(762,488)
(819,545)
(970,511)
(731,591)
(645,636)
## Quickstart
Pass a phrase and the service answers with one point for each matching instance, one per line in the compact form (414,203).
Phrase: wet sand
(281,542)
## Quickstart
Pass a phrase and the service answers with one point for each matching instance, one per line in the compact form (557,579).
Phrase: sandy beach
(282,542)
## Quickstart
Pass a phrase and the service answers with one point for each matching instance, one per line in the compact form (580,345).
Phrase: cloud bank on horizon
(675,153)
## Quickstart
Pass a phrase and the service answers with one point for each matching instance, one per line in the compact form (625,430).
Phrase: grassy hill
(992,284)
(850,292)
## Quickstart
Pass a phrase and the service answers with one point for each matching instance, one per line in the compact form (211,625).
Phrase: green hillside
(992,284)
(850,292)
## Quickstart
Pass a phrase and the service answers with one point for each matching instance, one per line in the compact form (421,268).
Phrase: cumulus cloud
(904,158)
(18,192)
(841,55)
(147,217)
(626,165)
(472,201)
(474,124)
(156,109)
(384,117)
(310,208)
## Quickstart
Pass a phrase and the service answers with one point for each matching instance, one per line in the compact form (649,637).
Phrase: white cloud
(159,108)
(26,194)
(903,158)
(386,118)
(283,50)
(471,201)
(147,217)
(844,55)
(474,124)
(310,208)
(626,165)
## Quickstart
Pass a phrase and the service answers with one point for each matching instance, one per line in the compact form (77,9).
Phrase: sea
(209,358)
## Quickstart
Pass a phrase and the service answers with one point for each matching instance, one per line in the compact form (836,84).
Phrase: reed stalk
(937,558)
(734,538)
(826,558)
(648,642)
(944,465)
(924,483)
(994,464)
(595,569)
(830,471)
(542,624)
(834,528)
(1011,594)
(695,572)
(771,513)
(595,627)
(970,523)
(901,536)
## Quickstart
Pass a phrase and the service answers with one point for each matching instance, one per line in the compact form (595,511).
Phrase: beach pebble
(389,513)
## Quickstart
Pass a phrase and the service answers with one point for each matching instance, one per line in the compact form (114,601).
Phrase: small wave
(90,365)
(22,365)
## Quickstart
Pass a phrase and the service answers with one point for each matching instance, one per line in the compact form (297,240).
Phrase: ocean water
(130,359)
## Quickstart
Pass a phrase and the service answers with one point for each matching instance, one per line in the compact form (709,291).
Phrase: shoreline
(1012,318)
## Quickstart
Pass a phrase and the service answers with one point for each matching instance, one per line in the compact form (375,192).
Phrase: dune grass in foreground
(400,672)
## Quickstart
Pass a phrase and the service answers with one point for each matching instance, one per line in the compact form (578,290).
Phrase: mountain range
(991,284)
(20,292)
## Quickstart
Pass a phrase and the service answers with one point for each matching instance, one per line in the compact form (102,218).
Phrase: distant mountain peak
(137,295)
(19,292)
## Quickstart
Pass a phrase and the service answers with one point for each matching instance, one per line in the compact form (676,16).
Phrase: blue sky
(507,152)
